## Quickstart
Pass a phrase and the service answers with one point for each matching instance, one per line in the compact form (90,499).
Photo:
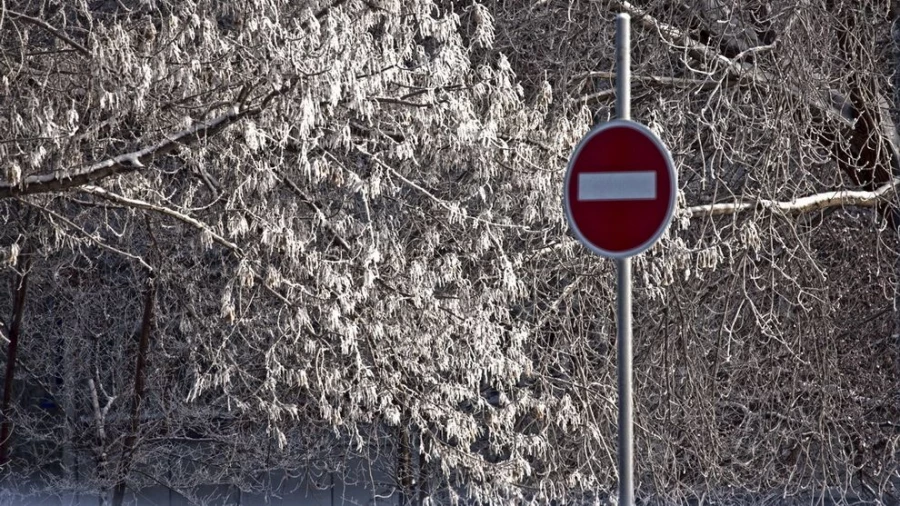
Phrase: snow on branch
(806,204)
(128,162)
(64,179)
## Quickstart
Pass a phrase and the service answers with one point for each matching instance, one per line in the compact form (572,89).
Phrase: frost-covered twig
(441,202)
(312,205)
(203,227)
(128,162)
(655,79)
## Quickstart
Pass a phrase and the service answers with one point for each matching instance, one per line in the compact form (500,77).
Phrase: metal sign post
(619,195)
(623,265)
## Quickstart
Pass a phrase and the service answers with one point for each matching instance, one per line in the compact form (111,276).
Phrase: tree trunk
(139,370)
(20,285)
(423,477)
(404,467)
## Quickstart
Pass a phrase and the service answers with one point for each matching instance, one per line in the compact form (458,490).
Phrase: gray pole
(623,66)
(623,316)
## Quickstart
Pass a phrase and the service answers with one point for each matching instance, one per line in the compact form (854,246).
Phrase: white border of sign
(673,178)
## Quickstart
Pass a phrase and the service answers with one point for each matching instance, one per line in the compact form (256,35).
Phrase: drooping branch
(199,225)
(312,205)
(64,179)
(675,35)
(52,215)
(869,155)
(441,202)
(647,81)
(736,32)
(801,205)
(140,204)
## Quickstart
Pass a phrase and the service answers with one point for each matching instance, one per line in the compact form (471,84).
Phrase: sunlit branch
(199,225)
(806,204)
(312,205)
(441,202)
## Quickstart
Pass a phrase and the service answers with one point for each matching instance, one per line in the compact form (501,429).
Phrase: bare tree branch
(321,13)
(656,80)
(312,205)
(92,237)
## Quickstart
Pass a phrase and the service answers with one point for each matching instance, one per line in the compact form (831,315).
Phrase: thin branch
(91,237)
(538,144)
(599,95)
(435,198)
(312,205)
(807,204)
(55,32)
(675,35)
(140,204)
(203,227)
(754,50)
(399,101)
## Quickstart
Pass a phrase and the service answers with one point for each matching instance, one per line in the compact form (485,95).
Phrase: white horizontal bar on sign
(639,185)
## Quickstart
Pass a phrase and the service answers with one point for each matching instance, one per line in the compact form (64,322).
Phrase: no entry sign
(620,189)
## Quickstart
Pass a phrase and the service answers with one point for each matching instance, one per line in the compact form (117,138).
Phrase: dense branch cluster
(290,237)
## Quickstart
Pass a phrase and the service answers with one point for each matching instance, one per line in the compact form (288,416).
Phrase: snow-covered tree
(272,235)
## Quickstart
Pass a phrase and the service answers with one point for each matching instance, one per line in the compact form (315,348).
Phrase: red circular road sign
(620,189)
